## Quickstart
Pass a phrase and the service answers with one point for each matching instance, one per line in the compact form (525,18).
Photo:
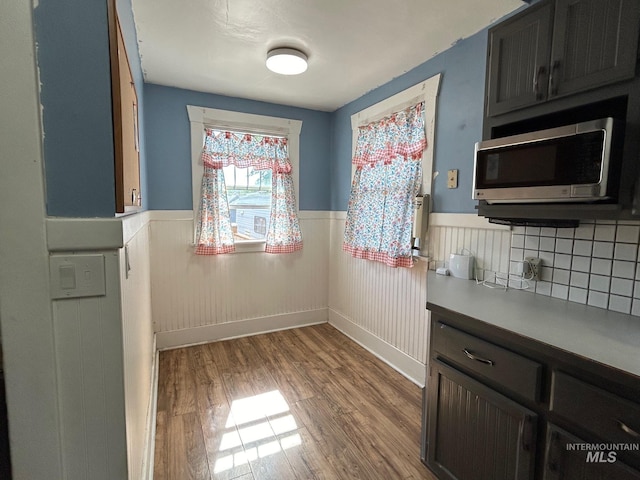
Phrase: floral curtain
(213,229)
(388,176)
(221,149)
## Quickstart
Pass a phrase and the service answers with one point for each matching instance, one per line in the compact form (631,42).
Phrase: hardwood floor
(307,403)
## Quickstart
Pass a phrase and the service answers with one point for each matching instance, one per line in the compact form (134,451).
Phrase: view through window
(249,198)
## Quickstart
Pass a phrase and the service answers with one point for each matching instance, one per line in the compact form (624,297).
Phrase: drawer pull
(627,429)
(476,358)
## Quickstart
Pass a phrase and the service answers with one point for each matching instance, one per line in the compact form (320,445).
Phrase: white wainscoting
(198,299)
(89,361)
(105,353)
(487,242)
(138,345)
(382,308)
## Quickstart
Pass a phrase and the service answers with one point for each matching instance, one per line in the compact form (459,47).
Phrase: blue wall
(325,150)
(458,122)
(169,145)
(73,60)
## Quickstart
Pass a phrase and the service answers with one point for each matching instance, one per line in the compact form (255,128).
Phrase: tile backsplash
(595,263)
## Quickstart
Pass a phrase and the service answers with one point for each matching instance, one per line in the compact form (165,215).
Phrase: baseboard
(240,328)
(150,441)
(395,358)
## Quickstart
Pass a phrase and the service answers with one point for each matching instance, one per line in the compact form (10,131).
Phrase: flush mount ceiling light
(286,61)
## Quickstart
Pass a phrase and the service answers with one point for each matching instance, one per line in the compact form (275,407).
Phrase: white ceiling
(354,46)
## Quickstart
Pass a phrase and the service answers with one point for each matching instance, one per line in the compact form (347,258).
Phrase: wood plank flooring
(307,403)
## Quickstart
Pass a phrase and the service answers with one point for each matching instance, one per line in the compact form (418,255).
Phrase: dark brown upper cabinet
(518,58)
(559,48)
(125,120)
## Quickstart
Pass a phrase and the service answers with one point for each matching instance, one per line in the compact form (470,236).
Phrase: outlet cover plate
(452,179)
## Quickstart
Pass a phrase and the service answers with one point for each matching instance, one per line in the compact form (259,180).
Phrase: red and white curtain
(388,160)
(213,229)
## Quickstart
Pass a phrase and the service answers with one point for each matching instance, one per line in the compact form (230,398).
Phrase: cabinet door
(125,120)
(475,433)
(594,43)
(519,51)
(564,460)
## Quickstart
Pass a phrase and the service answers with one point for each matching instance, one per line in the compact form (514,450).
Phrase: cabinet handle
(476,358)
(627,429)
(526,433)
(552,77)
(536,81)
(553,463)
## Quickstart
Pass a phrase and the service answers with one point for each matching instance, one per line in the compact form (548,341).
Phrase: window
(260,225)
(388,178)
(388,161)
(249,198)
(247,188)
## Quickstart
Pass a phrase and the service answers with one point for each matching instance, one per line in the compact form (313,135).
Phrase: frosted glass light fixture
(286,61)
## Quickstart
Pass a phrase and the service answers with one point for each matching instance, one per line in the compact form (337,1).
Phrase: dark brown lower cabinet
(499,406)
(565,460)
(477,433)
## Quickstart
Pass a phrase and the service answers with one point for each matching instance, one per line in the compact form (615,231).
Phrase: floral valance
(399,135)
(243,150)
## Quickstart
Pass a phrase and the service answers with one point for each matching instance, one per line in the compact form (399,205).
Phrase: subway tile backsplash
(596,263)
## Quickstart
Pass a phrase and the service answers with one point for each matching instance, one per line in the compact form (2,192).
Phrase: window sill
(247,246)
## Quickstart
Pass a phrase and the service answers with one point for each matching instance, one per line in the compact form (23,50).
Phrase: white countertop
(607,337)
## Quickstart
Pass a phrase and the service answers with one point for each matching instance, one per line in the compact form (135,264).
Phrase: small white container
(461,266)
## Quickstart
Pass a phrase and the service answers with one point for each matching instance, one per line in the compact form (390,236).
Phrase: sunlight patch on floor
(258,426)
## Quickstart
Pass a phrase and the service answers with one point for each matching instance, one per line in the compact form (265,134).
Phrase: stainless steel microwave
(565,164)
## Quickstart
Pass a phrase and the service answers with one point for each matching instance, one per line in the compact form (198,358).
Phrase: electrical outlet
(452,179)
(535,265)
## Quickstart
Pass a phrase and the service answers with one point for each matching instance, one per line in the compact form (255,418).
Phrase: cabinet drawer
(612,418)
(512,371)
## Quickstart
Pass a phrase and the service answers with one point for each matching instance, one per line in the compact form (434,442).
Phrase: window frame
(426,91)
(201,118)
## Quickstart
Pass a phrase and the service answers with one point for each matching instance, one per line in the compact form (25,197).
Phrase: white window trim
(426,91)
(203,117)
